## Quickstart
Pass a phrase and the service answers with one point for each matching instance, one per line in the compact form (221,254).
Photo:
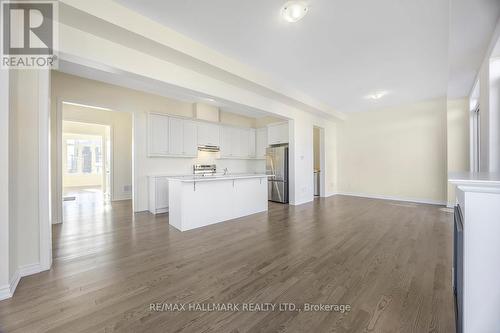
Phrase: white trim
(30,269)
(44,205)
(59,202)
(5,292)
(385,197)
(301,202)
(128,197)
(8,291)
(330,194)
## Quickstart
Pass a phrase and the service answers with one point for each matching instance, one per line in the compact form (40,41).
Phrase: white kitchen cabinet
(171,136)
(261,142)
(158,194)
(176,136)
(226,149)
(277,133)
(158,129)
(243,143)
(208,134)
(238,142)
(190,137)
(215,200)
(251,143)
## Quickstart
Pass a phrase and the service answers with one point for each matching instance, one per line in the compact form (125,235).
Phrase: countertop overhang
(481,179)
(216,178)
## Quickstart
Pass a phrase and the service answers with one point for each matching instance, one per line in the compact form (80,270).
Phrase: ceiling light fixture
(377,95)
(292,11)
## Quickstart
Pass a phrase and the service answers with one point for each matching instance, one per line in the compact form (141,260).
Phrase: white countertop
(217,177)
(155,175)
(488,179)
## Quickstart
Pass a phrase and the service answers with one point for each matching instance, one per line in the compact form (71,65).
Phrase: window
(83,156)
(87,160)
(72,156)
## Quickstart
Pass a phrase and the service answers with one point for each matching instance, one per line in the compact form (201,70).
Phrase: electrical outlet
(127,188)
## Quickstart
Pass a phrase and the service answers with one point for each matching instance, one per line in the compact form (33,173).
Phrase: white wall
(24,167)
(138,104)
(484,105)
(494,115)
(397,152)
(302,157)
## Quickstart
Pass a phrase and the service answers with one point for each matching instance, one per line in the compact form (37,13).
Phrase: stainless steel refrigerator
(277,169)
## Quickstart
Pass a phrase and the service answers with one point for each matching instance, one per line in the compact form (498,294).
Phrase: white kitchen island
(200,201)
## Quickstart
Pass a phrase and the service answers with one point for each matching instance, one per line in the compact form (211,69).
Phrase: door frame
(59,183)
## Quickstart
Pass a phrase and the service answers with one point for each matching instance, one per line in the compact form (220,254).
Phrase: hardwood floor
(390,261)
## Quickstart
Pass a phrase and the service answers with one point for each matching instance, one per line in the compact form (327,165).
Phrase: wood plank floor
(390,261)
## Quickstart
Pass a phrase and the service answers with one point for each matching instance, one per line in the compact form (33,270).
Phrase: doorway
(93,161)
(86,167)
(318,161)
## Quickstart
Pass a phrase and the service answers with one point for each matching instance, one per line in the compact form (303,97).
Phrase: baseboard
(31,269)
(8,290)
(5,292)
(121,199)
(301,202)
(384,197)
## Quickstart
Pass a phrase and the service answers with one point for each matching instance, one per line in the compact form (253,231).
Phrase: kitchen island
(200,201)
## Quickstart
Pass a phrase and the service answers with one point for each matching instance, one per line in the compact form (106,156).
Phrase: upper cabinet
(226,146)
(158,129)
(261,142)
(176,135)
(208,134)
(251,142)
(277,133)
(237,142)
(190,136)
(171,136)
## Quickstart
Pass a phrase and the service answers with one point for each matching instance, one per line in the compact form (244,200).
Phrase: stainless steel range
(204,170)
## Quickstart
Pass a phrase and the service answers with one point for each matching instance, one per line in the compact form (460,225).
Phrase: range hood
(209,148)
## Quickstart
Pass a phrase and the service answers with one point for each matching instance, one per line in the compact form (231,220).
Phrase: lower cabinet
(158,194)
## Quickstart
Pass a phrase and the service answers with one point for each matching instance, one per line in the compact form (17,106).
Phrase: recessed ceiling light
(377,95)
(292,11)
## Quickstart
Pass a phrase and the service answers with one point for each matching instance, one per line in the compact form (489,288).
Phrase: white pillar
(4,185)
(44,179)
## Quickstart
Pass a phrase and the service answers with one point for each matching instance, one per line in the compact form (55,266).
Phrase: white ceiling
(92,71)
(340,52)
(472,23)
